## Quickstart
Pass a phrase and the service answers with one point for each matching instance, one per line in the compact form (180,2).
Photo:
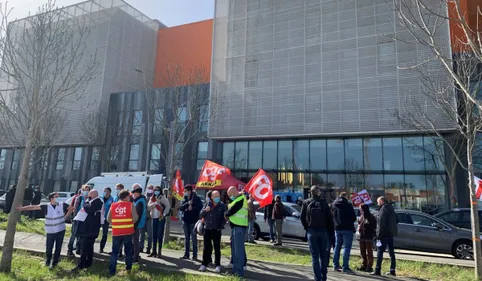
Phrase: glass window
(285,182)
(73,186)
(137,123)
(414,193)
(56,186)
(3,154)
(413,154)
(393,186)
(120,124)
(94,161)
(373,154)
(255,155)
(158,120)
(182,114)
(285,155)
(336,158)
(45,160)
(318,155)
(374,186)
(421,220)
(155,163)
(60,159)
(179,155)
(434,154)
(392,154)
(270,150)
(386,51)
(353,155)
(454,217)
(319,179)
(77,158)
(404,218)
(202,154)
(302,155)
(203,117)
(134,157)
(354,182)
(228,154)
(436,186)
(241,155)
(336,181)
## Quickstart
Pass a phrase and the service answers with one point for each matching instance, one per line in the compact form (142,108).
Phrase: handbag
(199,227)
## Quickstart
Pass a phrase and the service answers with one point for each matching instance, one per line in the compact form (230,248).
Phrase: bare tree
(45,66)
(450,86)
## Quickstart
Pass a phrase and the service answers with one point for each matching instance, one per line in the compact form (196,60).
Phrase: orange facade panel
(184,55)
(468,10)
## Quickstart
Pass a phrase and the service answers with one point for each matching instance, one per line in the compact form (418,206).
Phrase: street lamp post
(148,156)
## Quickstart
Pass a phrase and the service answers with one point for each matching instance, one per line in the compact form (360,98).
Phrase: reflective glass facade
(399,168)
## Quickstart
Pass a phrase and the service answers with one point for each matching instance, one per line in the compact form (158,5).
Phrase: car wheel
(463,250)
(256,232)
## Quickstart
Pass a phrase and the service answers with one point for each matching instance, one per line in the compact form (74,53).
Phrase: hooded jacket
(387,222)
(344,215)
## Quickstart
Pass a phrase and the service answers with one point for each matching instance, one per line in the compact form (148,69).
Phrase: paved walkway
(256,270)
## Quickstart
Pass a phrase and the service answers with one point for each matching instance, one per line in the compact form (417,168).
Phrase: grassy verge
(30,267)
(28,225)
(426,271)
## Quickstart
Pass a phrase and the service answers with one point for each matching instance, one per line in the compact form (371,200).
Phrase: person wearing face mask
(108,200)
(140,203)
(89,228)
(237,214)
(54,225)
(159,208)
(148,228)
(79,202)
(118,188)
(213,216)
(37,197)
(191,207)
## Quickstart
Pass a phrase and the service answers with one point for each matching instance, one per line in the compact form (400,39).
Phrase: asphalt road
(176,229)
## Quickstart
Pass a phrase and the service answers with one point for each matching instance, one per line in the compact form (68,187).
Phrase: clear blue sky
(169,12)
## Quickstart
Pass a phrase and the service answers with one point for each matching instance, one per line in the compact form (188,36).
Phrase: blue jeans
(147,229)
(73,236)
(386,242)
(319,243)
(105,232)
(343,238)
(238,251)
(117,242)
(271,228)
(158,227)
(58,240)
(188,235)
(250,231)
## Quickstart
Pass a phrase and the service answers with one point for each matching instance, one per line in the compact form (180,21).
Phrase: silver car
(292,226)
(422,232)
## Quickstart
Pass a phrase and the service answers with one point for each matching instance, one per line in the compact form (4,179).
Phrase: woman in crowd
(367,225)
(159,208)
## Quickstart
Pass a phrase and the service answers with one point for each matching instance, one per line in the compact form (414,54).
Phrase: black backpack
(316,214)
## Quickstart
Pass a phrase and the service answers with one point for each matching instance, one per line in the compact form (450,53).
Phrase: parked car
(422,232)
(459,217)
(292,226)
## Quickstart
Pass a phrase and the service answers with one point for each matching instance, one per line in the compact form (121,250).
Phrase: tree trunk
(474,218)
(14,217)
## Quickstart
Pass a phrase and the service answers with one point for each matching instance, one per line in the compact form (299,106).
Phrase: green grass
(426,271)
(31,267)
(28,225)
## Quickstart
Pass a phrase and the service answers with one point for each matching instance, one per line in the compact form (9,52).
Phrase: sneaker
(101,251)
(203,268)
(337,269)
(348,271)
(392,273)
(148,251)
(184,258)
(70,254)
(369,270)
(271,241)
(217,269)
(195,259)
(375,273)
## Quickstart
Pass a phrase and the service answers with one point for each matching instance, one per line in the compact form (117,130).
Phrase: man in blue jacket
(191,206)
(108,200)
(140,203)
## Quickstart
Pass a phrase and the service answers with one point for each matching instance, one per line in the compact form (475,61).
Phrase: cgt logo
(120,210)
(212,173)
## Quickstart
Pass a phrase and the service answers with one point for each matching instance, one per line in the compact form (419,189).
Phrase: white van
(128,179)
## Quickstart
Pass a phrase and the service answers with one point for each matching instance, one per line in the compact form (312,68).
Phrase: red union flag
(178,188)
(361,197)
(478,188)
(261,188)
(212,174)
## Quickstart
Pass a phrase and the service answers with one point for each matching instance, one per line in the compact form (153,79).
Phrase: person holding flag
(237,214)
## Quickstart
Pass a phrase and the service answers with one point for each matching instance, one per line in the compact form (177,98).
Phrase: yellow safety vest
(241,216)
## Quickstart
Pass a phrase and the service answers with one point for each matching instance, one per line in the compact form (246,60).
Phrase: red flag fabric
(261,188)
(478,188)
(178,188)
(361,197)
(212,175)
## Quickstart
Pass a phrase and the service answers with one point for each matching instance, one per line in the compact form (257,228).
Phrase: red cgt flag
(261,188)
(212,174)
(178,188)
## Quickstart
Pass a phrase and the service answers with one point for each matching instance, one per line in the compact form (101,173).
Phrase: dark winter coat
(191,216)
(344,215)
(387,222)
(214,219)
(91,226)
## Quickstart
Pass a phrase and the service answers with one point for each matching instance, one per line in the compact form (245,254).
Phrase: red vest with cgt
(121,215)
